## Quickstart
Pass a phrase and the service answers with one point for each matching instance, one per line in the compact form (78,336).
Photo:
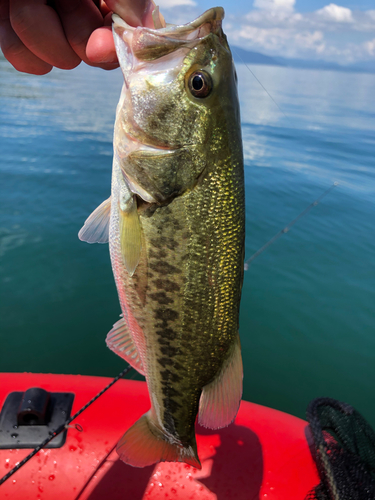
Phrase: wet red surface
(263,455)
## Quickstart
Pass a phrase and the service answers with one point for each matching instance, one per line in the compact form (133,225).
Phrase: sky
(343,33)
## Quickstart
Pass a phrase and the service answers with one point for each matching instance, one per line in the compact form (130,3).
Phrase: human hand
(35,36)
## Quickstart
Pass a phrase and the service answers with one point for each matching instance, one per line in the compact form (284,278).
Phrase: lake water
(307,314)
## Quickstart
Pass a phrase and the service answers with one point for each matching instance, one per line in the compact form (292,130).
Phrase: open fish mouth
(148,44)
(209,22)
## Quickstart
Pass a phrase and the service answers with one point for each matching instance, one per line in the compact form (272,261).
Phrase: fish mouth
(209,22)
(148,44)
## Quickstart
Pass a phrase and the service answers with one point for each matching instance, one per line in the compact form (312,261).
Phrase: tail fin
(145,444)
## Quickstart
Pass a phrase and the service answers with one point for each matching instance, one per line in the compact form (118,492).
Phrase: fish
(175,223)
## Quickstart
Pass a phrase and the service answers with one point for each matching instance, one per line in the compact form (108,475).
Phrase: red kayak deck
(264,454)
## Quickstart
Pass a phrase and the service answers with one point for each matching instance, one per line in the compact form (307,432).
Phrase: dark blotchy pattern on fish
(194,251)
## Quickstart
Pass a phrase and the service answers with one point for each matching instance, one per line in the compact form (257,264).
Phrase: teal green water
(307,314)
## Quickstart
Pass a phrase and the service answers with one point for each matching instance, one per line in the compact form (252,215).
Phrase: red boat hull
(263,455)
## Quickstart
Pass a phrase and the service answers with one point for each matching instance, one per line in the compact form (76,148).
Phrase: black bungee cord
(63,426)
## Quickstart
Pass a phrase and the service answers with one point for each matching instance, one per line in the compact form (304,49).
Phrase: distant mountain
(363,67)
(366,67)
(309,64)
(247,56)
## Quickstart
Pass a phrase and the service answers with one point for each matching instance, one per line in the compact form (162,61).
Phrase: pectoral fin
(130,234)
(96,226)
(220,400)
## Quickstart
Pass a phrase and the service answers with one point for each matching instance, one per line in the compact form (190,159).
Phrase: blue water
(307,316)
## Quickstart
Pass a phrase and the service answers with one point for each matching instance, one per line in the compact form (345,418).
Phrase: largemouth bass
(175,225)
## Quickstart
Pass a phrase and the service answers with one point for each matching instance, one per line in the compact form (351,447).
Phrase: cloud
(167,4)
(333,33)
(272,18)
(277,41)
(275,28)
(270,5)
(370,47)
(333,12)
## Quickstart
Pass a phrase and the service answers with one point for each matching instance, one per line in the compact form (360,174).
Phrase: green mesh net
(344,452)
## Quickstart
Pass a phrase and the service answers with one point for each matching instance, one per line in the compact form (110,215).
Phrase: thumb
(133,12)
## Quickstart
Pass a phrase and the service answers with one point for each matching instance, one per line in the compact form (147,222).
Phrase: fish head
(180,90)
(178,79)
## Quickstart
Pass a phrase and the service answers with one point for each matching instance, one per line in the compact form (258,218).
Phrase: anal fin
(120,341)
(220,399)
(145,444)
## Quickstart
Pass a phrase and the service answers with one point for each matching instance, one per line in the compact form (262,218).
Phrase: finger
(15,51)
(132,12)
(79,20)
(104,9)
(100,47)
(147,19)
(39,28)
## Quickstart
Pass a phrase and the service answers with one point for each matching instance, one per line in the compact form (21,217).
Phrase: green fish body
(175,225)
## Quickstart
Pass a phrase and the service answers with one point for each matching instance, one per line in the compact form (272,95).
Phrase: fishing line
(64,426)
(260,83)
(287,227)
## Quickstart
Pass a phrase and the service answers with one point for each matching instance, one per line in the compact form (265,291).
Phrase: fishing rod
(63,426)
(288,226)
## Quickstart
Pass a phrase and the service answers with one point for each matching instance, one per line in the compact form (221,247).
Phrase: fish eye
(200,84)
